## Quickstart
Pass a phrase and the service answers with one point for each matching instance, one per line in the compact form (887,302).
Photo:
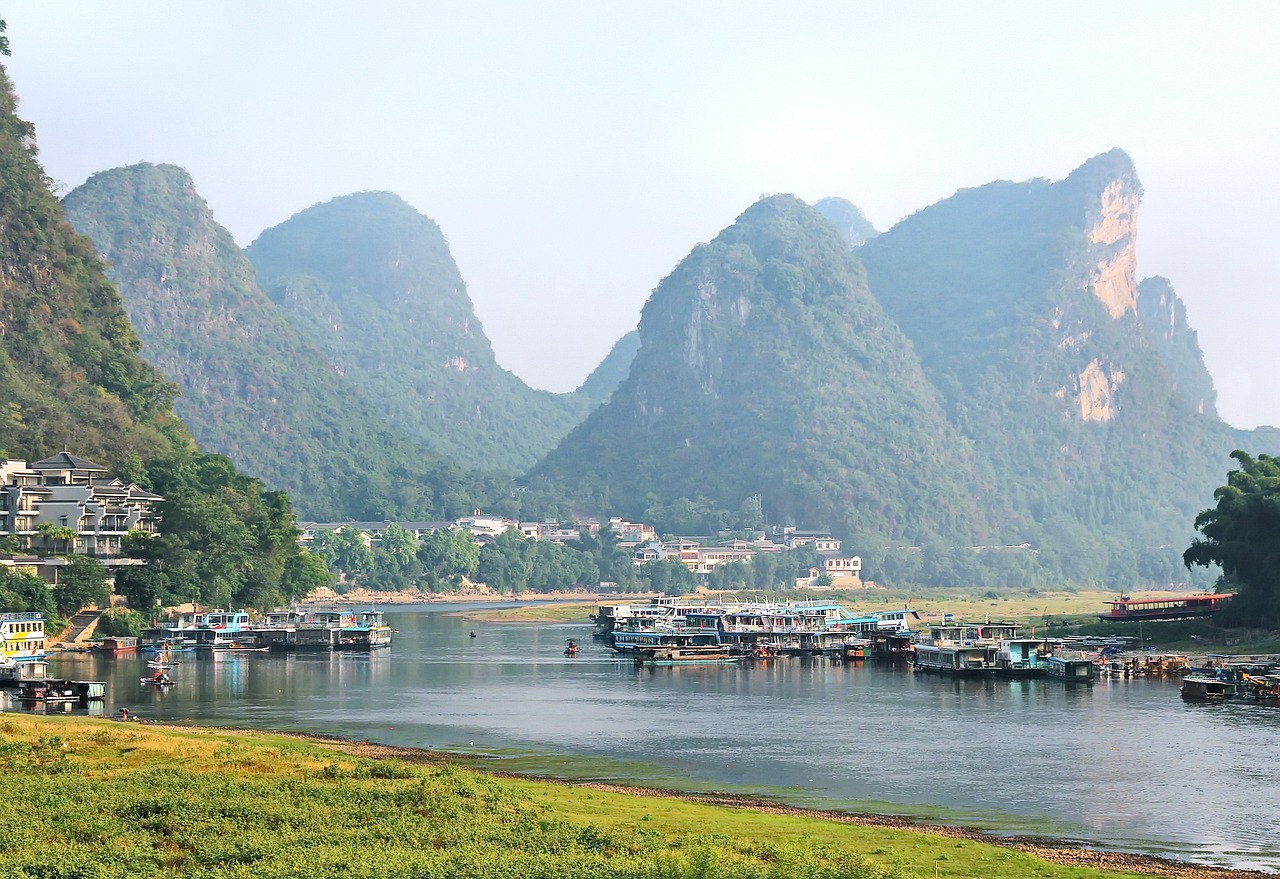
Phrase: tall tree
(1242,535)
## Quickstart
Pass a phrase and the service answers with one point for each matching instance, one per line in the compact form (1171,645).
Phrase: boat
(11,671)
(366,631)
(1072,668)
(22,636)
(221,628)
(57,691)
(654,656)
(1186,607)
(571,647)
(1261,688)
(118,645)
(159,679)
(1022,658)
(1205,689)
(963,648)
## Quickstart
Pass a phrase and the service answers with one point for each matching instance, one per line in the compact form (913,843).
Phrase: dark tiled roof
(67,461)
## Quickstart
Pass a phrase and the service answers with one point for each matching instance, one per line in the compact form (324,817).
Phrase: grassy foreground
(106,799)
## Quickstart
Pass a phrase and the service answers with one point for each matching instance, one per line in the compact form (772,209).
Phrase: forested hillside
(71,378)
(371,283)
(769,382)
(1022,302)
(612,371)
(70,374)
(252,387)
(1164,317)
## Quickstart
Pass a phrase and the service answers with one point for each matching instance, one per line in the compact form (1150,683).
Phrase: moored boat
(57,691)
(1071,668)
(1022,658)
(118,645)
(1205,689)
(682,655)
(22,636)
(963,648)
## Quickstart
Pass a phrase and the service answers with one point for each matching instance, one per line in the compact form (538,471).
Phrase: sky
(573,152)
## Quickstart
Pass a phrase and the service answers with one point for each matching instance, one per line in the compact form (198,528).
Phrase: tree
(53,534)
(1240,534)
(446,553)
(23,592)
(400,545)
(82,583)
(4,41)
(344,550)
(145,587)
(303,574)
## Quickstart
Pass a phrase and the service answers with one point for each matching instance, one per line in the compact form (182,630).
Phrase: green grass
(105,800)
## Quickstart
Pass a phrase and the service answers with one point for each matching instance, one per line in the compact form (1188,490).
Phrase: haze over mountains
(987,373)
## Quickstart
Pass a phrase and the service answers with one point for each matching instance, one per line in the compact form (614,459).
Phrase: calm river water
(1123,765)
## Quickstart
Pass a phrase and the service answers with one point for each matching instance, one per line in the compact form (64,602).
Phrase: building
(91,510)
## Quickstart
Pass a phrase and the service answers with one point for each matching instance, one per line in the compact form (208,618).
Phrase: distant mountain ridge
(370,282)
(767,371)
(252,387)
(1006,324)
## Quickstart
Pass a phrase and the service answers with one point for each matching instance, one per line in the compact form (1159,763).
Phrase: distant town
(700,554)
(67,504)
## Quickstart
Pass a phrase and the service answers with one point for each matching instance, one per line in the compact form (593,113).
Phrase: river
(1123,765)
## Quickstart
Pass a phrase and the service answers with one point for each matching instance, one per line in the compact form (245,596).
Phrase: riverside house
(82,508)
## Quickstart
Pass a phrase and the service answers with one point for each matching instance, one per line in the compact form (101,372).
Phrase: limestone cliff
(1114,239)
(1087,399)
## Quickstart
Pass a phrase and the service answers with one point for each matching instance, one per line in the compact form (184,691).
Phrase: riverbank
(472,593)
(168,801)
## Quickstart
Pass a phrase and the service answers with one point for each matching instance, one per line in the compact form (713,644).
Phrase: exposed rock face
(1021,299)
(1115,233)
(1097,392)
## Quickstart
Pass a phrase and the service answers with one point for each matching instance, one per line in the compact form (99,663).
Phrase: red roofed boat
(1201,604)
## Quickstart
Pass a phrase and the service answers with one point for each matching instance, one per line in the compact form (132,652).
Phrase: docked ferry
(22,636)
(963,648)
(366,631)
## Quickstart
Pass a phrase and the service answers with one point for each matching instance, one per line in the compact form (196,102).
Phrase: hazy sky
(574,152)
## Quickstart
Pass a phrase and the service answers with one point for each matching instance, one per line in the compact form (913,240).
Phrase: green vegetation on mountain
(768,380)
(70,374)
(612,371)
(371,283)
(1021,301)
(71,378)
(1260,440)
(1239,534)
(252,387)
(1164,317)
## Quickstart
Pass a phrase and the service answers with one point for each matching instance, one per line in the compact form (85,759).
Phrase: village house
(66,503)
